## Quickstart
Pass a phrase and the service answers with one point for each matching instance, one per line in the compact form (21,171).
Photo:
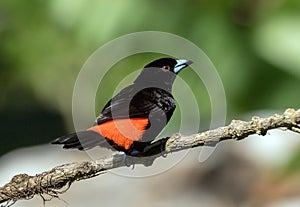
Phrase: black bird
(132,119)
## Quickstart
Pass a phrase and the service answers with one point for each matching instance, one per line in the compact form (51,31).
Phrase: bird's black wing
(137,102)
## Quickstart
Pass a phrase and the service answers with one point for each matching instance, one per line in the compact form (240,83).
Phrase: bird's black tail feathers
(82,140)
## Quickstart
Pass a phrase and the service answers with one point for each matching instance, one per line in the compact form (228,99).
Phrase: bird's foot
(127,161)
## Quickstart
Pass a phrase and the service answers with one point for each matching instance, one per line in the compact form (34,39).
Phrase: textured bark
(59,179)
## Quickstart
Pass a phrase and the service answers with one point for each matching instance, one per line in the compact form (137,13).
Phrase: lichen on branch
(58,180)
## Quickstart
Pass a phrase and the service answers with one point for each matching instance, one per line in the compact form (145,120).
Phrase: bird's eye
(166,67)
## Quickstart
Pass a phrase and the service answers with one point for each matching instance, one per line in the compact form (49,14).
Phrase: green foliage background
(255,46)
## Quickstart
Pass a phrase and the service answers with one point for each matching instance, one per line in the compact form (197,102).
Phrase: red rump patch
(122,131)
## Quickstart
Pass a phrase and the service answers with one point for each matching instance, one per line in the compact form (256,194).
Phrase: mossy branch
(60,178)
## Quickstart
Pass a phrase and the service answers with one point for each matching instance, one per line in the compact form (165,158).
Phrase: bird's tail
(82,140)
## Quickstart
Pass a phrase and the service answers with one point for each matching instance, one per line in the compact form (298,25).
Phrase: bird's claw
(128,164)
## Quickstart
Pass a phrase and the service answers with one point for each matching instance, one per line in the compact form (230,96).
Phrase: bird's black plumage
(149,97)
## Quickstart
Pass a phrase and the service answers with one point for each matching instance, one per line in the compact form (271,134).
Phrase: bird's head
(161,72)
(169,64)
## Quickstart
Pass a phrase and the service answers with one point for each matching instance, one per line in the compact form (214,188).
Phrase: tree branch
(59,179)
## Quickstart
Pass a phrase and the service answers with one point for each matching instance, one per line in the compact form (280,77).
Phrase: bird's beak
(181,64)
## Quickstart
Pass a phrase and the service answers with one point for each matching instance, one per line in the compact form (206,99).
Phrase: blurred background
(254,44)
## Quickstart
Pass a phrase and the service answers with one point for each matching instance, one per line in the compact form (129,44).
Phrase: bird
(133,118)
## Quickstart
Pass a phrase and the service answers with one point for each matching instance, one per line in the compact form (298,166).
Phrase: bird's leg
(127,164)
(126,160)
